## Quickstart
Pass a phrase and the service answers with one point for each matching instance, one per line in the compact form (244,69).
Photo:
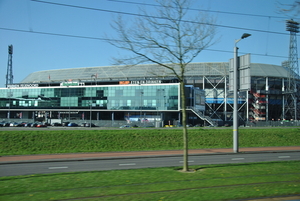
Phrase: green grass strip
(209,182)
(75,141)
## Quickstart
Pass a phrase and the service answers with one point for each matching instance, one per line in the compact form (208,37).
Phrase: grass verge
(209,182)
(75,141)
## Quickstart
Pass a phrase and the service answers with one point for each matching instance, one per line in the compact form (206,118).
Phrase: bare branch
(292,10)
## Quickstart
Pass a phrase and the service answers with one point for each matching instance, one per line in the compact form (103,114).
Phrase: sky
(48,36)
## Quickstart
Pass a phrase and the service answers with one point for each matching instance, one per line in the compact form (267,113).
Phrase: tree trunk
(185,132)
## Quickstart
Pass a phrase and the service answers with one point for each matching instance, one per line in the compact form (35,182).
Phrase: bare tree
(290,9)
(171,37)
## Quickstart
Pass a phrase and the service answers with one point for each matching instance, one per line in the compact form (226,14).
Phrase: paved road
(139,162)
(98,155)
(34,164)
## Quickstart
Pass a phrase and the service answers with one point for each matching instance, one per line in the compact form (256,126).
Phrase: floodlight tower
(9,74)
(290,100)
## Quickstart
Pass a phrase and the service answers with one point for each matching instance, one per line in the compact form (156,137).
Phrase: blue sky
(33,51)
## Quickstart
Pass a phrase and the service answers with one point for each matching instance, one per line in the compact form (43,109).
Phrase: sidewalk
(103,155)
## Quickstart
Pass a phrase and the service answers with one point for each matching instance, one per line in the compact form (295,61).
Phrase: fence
(100,123)
(119,123)
(273,123)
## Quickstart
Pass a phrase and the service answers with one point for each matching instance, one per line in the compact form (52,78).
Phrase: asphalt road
(75,165)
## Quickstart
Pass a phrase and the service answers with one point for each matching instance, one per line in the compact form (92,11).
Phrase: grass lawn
(24,142)
(208,182)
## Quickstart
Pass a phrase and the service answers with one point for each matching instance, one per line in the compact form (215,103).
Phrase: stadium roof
(107,73)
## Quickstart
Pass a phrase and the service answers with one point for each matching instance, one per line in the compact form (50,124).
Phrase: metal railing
(202,116)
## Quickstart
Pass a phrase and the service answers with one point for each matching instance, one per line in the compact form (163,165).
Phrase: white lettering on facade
(146,82)
(22,85)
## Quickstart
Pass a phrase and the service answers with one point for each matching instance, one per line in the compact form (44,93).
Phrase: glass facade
(118,97)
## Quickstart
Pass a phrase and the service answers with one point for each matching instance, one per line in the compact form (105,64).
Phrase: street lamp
(235,96)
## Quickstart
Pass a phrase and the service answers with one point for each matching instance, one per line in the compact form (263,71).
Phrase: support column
(283,99)
(112,118)
(267,98)
(225,99)
(247,106)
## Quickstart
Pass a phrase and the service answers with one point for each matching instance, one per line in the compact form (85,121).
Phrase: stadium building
(137,95)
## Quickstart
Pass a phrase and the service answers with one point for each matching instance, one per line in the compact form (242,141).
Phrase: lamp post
(235,96)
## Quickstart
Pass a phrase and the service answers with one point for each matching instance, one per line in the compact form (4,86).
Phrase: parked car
(34,124)
(56,124)
(90,125)
(41,125)
(124,126)
(4,124)
(38,124)
(14,124)
(72,125)
(83,124)
(65,123)
(28,124)
(21,124)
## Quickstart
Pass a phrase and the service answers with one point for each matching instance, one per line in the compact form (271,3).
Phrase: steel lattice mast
(290,99)
(9,74)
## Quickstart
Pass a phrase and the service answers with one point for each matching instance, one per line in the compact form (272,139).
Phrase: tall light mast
(9,74)
(291,94)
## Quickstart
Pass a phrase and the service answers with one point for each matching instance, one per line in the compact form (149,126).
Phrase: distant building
(137,94)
